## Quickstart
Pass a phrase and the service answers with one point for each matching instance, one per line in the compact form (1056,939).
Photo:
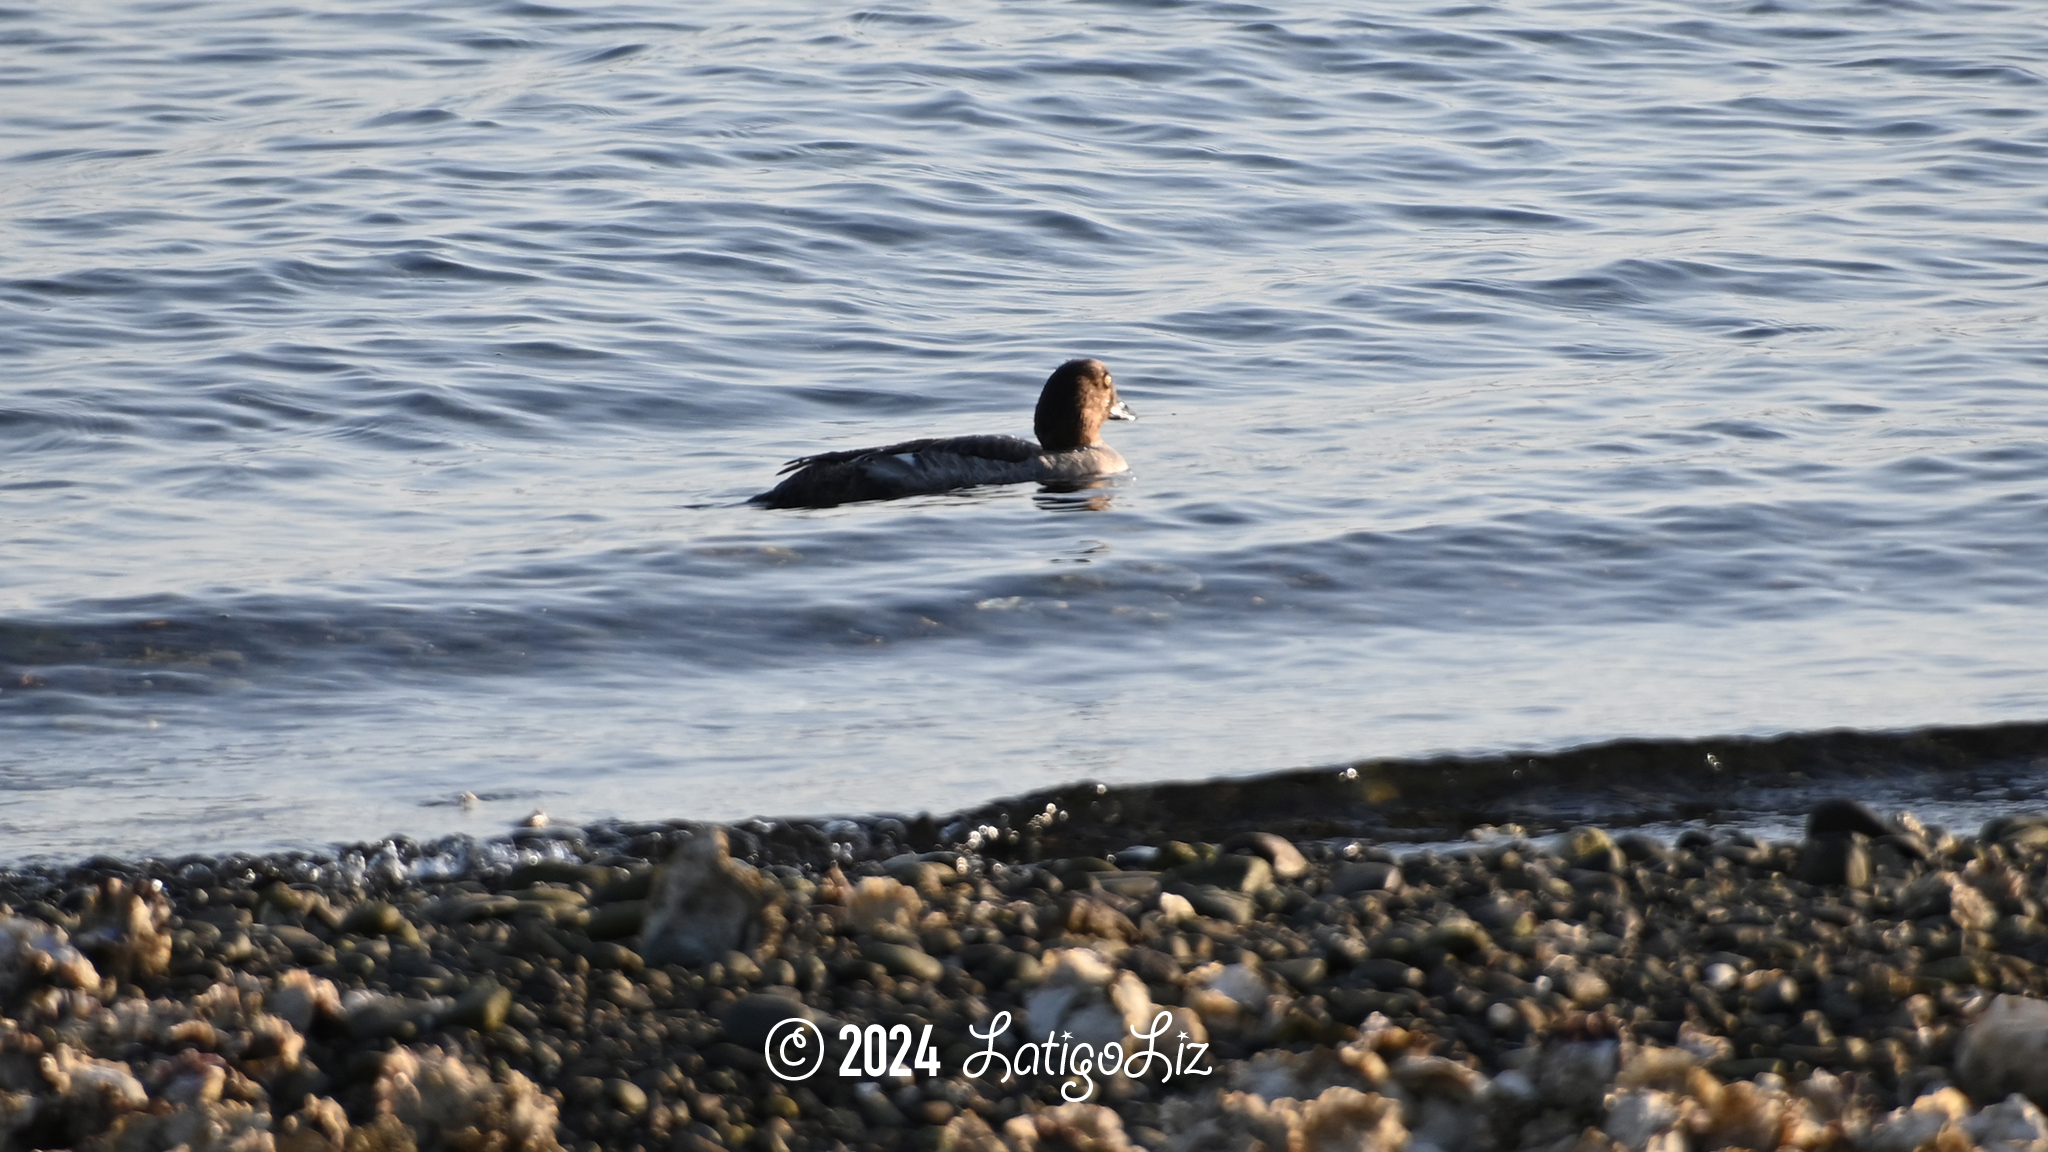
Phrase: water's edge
(1952,774)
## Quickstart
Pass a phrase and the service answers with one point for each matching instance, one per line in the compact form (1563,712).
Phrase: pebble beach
(1613,416)
(1870,985)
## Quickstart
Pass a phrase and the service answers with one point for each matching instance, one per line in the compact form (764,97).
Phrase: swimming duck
(1078,397)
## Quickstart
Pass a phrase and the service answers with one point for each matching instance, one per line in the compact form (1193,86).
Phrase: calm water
(379,390)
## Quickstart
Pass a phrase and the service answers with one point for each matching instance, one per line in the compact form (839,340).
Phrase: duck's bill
(1121,411)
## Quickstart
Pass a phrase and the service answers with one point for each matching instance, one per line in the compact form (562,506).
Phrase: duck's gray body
(1076,400)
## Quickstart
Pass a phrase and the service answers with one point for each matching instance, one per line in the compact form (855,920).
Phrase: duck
(1077,398)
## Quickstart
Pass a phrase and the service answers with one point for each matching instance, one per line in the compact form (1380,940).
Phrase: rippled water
(382,387)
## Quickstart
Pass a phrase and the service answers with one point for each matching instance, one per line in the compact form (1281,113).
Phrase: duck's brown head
(1078,397)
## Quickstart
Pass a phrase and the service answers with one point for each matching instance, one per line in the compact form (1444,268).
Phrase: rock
(443,1097)
(705,904)
(220,1126)
(1446,1092)
(1139,886)
(375,1015)
(90,1091)
(1576,1073)
(1093,916)
(2006,1051)
(1586,989)
(1236,874)
(483,1007)
(1078,1127)
(1971,910)
(1365,876)
(274,1048)
(617,920)
(1644,1119)
(1747,1114)
(1383,972)
(1082,994)
(928,878)
(1010,966)
(749,1020)
(1437,1076)
(632,887)
(1591,849)
(2012,1125)
(1843,818)
(1503,915)
(1670,1070)
(1459,935)
(299,996)
(560,872)
(616,989)
(1220,904)
(33,953)
(1241,983)
(196,1080)
(1641,849)
(2025,830)
(306,948)
(127,931)
(739,968)
(1304,973)
(1921,1126)
(374,918)
(626,1096)
(1771,990)
(1287,861)
(319,1125)
(1343,946)
(1340,1118)
(470,907)
(1835,859)
(878,902)
(1939,893)
(1954,970)
(903,960)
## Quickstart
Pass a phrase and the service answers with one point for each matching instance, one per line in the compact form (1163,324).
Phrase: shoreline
(616,987)
(1763,783)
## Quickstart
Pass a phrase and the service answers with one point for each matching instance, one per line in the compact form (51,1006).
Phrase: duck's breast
(1080,463)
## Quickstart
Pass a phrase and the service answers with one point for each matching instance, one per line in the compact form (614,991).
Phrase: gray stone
(1386,974)
(374,918)
(1304,973)
(748,1020)
(1576,1074)
(483,1007)
(1287,861)
(1233,873)
(2006,1051)
(903,960)
(1221,904)
(705,904)
(2012,1125)
(626,1096)
(1844,817)
(1840,858)
(1365,876)
(1943,893)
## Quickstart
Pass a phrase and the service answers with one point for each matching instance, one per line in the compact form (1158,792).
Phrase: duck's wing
(905,469)
(1009,449)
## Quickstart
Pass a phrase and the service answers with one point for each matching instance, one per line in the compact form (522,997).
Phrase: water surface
(383,387)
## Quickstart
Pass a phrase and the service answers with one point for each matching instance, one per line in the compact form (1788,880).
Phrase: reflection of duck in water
(1078,397)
